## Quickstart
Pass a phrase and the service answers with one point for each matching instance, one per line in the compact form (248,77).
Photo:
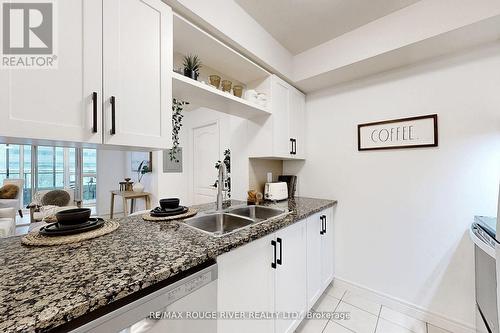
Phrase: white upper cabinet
(137,37)
(281,135)
(280,93)
(57,103)
(104,48)
(297,123)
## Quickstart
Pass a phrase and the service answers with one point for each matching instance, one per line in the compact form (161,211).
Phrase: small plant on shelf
(177,107)
(192,65)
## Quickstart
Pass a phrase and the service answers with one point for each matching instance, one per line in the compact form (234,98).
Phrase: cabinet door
(327,249)
(246,283)
(297,121)
(57,103)
(291,275)
(137,51)
(314,259)
(281,109)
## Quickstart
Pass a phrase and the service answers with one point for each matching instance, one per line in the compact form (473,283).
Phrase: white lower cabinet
(319,254)
(314,260)
(327,249)
(290,287)
(246,283)
(280,274)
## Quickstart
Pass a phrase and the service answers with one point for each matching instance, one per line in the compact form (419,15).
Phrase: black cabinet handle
(324,218)
(273,264)
(94,112)
(113,123)
(294,146)
(280,260)
(322,232)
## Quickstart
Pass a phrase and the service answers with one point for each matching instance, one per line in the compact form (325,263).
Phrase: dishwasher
(183,306)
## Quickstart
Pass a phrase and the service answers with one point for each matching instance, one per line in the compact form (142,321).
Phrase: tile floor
(366,316)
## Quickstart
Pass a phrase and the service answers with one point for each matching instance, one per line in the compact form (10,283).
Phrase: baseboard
(411,310)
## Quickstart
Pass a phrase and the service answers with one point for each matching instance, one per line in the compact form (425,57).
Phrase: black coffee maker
(291,182)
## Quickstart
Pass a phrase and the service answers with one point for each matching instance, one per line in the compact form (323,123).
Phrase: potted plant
(192,65)
(177,107)
(141,171)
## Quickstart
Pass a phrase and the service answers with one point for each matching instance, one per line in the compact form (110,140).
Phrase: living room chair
(16,203)
(7,222)
(40,209)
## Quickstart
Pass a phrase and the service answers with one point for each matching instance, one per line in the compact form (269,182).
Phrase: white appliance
(195,295)
(483,233)
(276,191)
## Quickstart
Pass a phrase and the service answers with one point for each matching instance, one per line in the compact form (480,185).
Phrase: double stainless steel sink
(233,219)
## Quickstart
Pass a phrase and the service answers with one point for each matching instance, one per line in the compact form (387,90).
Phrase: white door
(314,260)
(206,152)
(280,102)
(327,249)
(291,276)
(246,283)
(297,122)
(57,104)
(137,54)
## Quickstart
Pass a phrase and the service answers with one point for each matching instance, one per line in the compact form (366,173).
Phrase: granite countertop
(44,287)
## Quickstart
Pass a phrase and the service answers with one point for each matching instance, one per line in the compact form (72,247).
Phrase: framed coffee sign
(411,132)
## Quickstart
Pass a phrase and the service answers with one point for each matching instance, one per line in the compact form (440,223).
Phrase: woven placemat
(189,213)
(34,238)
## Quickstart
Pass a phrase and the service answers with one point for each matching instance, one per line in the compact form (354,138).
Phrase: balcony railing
(89,190)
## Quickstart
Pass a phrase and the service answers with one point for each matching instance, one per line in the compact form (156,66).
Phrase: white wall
(403,215)
(149,180)
(111,169)
(233,135)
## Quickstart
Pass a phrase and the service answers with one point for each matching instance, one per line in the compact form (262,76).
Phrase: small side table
(129,195)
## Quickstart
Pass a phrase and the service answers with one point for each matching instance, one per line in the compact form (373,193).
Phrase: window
(89,176)
(52,167)
(15,162)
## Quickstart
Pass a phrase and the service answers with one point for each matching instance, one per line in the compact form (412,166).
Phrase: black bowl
(73,216)
(169,203)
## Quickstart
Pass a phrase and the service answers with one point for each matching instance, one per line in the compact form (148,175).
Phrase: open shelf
(202,95)
(189,39)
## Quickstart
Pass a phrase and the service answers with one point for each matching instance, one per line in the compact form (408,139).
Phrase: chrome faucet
(221,185)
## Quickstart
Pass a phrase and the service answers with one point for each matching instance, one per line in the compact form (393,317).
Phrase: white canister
(262,99)
(251,95)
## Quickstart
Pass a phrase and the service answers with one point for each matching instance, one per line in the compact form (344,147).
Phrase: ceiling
(301,24)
